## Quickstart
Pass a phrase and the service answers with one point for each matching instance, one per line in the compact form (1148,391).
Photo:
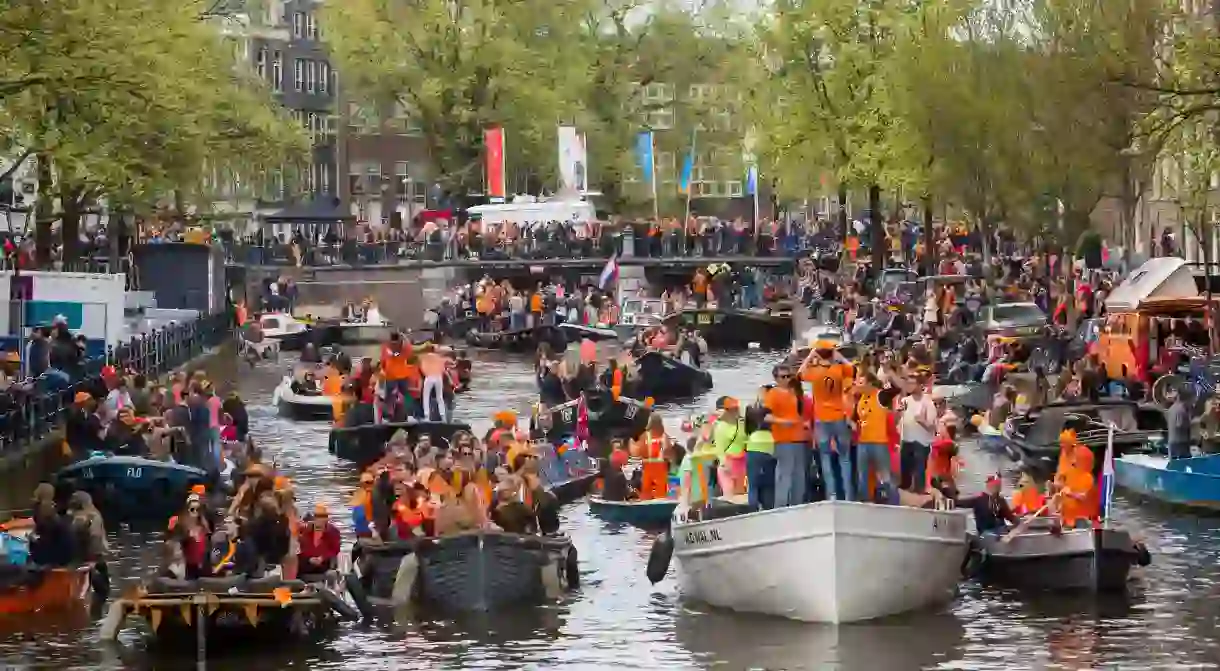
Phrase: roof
(326,211)
(1159,278)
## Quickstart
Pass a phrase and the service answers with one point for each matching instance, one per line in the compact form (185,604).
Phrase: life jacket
(654,447)
(616,384)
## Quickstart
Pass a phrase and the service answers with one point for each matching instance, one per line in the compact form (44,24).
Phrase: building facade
(387,171)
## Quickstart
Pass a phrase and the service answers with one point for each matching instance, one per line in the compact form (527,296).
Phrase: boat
(301,407)
(651,514)
(519,340)
(636,314)
(574,333)
(235,606)
(1045,558)
(131,488)
(664,378)
(472,571)
(1033,436)
(291,333)
(1193,482)
(609,417)
(569,475)
(732,328)
(372,329)
(27,588)
(365,444)
(873,560)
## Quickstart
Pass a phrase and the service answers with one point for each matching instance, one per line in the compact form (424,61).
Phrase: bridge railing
(32,408)
(639,243)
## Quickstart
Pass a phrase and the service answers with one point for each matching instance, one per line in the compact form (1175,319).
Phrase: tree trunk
(843,213)
(180,206)
(876,230)
(115,228)
(929,238)
(70,228)
(43,214)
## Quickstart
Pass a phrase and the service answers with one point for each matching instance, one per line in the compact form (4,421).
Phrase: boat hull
(29,590)
(131,488)
(574,333)
(485,571)
(1191,482)
(365,444)
(737,329)
(608,418)
(654,514)
(873,560)
(302,408)
(665,379)
(524,340)
(1076,559)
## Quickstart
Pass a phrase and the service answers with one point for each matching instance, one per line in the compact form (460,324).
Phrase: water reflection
(618,620)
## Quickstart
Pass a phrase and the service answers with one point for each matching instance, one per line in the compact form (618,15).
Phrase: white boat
(302,407)
(830,561)
(280,325)
(373,329)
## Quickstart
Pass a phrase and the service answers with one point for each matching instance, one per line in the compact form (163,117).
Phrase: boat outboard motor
(660,556)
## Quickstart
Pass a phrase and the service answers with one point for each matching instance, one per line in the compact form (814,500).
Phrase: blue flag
(643,154)
(688,167)
(752,181)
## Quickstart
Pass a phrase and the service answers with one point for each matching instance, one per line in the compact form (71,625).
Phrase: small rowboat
(651,514)
(29,589)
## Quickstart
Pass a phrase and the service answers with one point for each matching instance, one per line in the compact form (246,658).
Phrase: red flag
(493,141)
(582,424)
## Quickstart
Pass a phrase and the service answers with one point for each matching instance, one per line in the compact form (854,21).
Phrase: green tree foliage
(126,101)
(460,67)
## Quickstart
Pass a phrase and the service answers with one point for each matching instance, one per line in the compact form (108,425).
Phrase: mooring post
(201,636)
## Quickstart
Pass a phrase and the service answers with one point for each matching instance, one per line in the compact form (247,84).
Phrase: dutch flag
(609,273)
(1107,477)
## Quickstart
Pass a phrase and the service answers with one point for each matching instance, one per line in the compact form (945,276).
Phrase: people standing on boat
(760,456)
(1180,422)
(88,528)
(614,485)
(432,368)
(873,458)
(650,447)
(691,347)
(51,542)
(729,438)
(917,422)
(399,371)
(191,531)
(992,514)
(829,375)
(1075,490)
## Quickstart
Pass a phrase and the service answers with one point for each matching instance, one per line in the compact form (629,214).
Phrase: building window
(299,71)
(298,25)
(404,122)
(325,170)
(260,63)
(311,27)
(734,188)
(323,77)
(277,72)
(361,118)
(311,76)
(311,178)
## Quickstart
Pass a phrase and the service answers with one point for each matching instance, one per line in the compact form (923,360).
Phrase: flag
(609,273)
(493,141)
(582,423)
(752,181)
(643,154)
(1107,477)
(688,168)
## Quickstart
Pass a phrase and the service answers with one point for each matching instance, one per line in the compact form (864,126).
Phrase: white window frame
(298,74)
(260,63)
(323,77)
(277,71)
(311,76)
(298,25)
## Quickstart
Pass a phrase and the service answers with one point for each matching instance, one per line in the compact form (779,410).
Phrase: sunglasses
(193,509)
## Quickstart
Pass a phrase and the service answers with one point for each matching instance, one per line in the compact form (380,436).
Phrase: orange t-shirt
(782,403)
(874,420)
(699,284)
(1027,501)
(395,366)
(829,386)
(536,303)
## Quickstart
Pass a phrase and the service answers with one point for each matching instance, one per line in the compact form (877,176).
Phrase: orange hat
(505,417)
(82,397)
(280,483)
(1068,437)
(730,403)
(320,510)
(199,489)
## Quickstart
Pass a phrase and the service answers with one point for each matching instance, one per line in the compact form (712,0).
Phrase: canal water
(617,620)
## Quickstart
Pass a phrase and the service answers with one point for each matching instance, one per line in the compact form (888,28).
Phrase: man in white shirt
(916,426)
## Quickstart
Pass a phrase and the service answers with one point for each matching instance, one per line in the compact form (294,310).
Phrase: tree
(460,67)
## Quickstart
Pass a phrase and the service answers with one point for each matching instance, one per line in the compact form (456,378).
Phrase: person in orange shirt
(698,286)
(783,404)
(650,447)
(1028,498)
(830,374)
(1078,497)
(872,416)
(396,370)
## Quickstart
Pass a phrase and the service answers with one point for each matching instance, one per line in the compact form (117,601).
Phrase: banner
(573,160)
(643,154)
(493,141)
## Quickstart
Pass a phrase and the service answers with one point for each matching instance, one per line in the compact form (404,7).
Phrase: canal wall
(22,470)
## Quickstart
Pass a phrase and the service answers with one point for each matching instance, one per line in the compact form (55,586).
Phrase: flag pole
(690,180)
(652,171)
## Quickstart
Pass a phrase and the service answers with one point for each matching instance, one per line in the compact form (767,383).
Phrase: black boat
(574,333)
(664,378)
(731,328)
(1043,557)
(129,488)
(520,340)
(472,571)
(609,418)
(365,443)
(1033,436)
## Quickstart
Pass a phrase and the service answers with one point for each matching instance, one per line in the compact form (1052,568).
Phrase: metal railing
(552,245)
(31,409)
